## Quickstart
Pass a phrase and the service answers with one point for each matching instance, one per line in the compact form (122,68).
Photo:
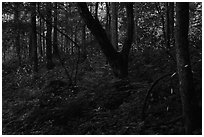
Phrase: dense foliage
(80,94)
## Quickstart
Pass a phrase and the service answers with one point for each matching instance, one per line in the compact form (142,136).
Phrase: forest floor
(100,104)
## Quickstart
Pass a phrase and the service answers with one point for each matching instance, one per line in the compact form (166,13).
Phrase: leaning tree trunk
(117,60)
(184,66)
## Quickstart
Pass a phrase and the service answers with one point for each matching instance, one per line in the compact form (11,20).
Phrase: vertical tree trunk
(128,40)
(184,65)
(30,46)
(108,19)
(96,10)
(55,43)
(167,26)
(40,38)
(171,22)
(44,40)
(17,38)
(68,31)
(135,15)
(50,64)
(114,25)
(34,37)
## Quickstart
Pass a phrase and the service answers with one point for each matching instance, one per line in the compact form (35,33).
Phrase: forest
(101,68)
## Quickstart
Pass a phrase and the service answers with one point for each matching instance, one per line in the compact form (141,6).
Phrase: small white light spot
(173,74)
(172,90)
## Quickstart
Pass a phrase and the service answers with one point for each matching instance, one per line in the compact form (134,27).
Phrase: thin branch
(151,89)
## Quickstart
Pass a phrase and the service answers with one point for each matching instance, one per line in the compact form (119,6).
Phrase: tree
(184,66)
(169,24)
(55,43)
(96,10)
(117,60)
(17,30)
(34,37)
(40,36)
(108,18)
(136,18)
(114,25)
(50,64)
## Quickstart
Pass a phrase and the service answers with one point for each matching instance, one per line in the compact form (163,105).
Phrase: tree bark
(114,25)
(184,66)
(136,16)
(108,19)
(171,23)
(17,38)
(55,43)
(50,64)
(117,60)
(40,38)
(34,37)
(44,39)
(96,10)
(167,26)
(30,46)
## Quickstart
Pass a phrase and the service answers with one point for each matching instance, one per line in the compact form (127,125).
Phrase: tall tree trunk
(44,39)
(50,64)
(55,43)
(34,37)
(108,19)
(136,16)
(68,30)
(117,60)
(96,10)
(114,25)
(171,22)
(128,40)
(184,66)
(40,38)
(30,46)
(17,38)
(167,26)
